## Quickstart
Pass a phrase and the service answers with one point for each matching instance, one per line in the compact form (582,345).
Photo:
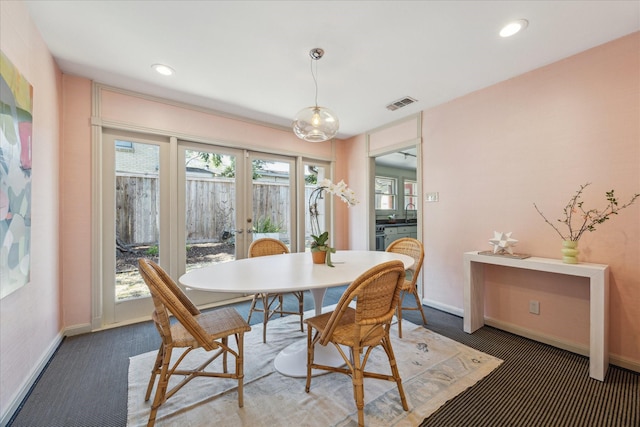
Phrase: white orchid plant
(320,239)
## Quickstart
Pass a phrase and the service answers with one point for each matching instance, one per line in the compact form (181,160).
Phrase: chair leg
(225,345)
(310,354)
(419,304)
(154,372)
(281,301)
(301,310)
(161,391)
(386,343)
(358,386)
(240,368)
(252,307)
(265,317)
(399,313)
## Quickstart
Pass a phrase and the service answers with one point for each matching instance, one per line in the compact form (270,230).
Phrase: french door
(271,205)
(185,205)
(211,182)
(135,219)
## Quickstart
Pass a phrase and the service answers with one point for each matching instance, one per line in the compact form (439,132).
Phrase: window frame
(393,195)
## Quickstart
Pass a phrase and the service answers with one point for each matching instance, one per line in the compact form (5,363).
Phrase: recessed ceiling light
(513,27)
(165,70)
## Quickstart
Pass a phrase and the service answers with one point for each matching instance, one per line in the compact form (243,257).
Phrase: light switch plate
(431,197)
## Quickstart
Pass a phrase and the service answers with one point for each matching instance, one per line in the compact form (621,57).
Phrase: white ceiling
(250,58)
(403,159)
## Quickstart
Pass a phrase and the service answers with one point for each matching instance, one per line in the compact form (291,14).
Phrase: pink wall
(181,120)
(353,170)
(536,138)
(30,317)
(490,155)
(75,217)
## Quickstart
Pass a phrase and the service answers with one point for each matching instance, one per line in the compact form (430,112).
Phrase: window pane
(271,200)
(410,188)
(137,215)
(410,195)
(124,145)
(313,174)
(210,188)
(385,193)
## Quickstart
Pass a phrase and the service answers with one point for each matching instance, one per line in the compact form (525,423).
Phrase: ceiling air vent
(402,102)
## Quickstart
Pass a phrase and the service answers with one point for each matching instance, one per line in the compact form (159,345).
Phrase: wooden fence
(210,207)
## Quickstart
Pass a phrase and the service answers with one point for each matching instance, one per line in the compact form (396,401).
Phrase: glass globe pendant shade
(315,124)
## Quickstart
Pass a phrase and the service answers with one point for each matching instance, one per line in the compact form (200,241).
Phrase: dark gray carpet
(85,384)
(537,385)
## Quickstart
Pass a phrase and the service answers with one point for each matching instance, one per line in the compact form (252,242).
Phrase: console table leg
(599,330)
(473,296)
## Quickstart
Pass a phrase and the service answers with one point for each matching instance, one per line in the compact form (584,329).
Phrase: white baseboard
(443,307)
(624,362)
(30,380)
(538,336)
(617,360)
(80,329)
(620,361)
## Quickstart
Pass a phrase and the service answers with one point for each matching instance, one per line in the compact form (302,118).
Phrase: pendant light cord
(315,80)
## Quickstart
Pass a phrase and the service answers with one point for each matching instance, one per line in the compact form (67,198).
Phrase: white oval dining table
(288,273)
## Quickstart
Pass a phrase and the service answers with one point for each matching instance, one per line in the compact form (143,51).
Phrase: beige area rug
(433,368)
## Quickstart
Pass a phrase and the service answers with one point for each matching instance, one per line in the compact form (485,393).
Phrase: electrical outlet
(534,307)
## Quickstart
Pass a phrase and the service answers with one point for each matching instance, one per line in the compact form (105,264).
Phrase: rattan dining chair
(376,294)
(270,304)
(193,329)
(414,249)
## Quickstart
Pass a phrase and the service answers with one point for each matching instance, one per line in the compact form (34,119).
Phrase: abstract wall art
(16,107)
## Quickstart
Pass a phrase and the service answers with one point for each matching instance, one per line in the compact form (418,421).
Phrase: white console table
(598,275)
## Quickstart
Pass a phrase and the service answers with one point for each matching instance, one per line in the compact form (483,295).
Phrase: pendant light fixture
(315,124)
